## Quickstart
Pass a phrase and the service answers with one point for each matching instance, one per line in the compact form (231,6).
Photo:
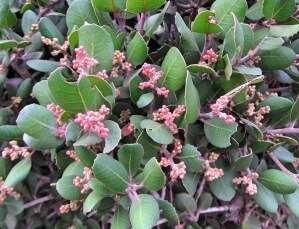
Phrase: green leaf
(114,136)
(25,88)
(284,155)
(224,8)
(29,18)
(91,201)
(288,30)
(66,188)
(14,206)
(218,132)
(9,132)
(98,44)
(243,162)
(174,69)
(7,18)
(191,101)
(255,12)
(294,113)
(190,182)
(150,147)
(137,50)
(276,59)
(154,178)
(75,168)
(228,70)
(88,139)
(120,219)
(18,173)
(42,93)
(157,132)
(138,6)
(190,155)
(185,202)
(73,97)
(145,99)
(169,212)
(5,165)
(188,40)
(111,173)
(234,39)
(43,65)
(152,23)
(201,23)
(279,10)
(48,29)
(292,201)
(248,38)
(200,68)
(86,155)
(130,155)
(39,123)
(270,43)
(144,212)
(109,5)
(265,199)
(278,181)
(79,12)
(223,187)
(8,44)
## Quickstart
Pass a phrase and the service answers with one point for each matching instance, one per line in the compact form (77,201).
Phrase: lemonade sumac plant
(149,114)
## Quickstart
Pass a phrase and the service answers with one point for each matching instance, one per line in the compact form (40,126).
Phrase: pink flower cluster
(247,180)
(212,20)
(82,182)
(164,114)
(14,152)
(127,130)
(212,173)
(177,171)
(177,149)
(66,208)
(209,57)
(153,75)
(92,121)
(72,154)
(83,63)
(120,64)
(6,192)
(60,127)
(219,106)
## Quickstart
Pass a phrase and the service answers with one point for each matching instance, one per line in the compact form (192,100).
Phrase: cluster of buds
(58,49)
(92,121)
(164,114)
(120,65)
(124,116)
(103,74)
(60,127)
(16,101)
(127,130)
(253,25)
(82,182)
(219,106)
(212,20)
(251,90)
(296,162)
(211,173)
(177,149)
(209,57)
(269,23)
(82,62)
(71,207)
(34,28)
(253,58)
(72,154)
(6,192)
(258,115)
(177,171)
(14,152)
(247,181)
(2,68)
(153,75)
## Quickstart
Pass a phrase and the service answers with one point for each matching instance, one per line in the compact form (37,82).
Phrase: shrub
(149,114)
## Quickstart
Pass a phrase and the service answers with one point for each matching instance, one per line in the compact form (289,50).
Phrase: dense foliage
(149,114)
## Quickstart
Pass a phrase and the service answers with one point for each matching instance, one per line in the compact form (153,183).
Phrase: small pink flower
(92,121)
(210,56)
(55,109)
(127,130)
(103,74)
(163,91)
(83,63)
(178,171)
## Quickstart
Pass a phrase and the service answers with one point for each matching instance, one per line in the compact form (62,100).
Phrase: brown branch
(37,201)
